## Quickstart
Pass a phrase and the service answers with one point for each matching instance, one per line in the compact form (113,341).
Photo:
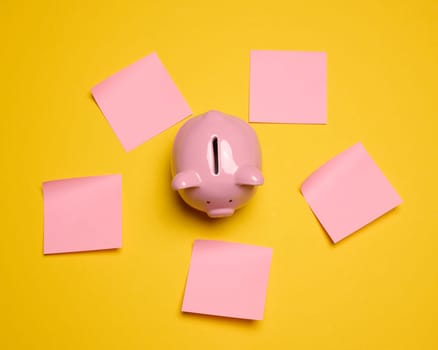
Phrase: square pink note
(82,214)
(288,87)
(348,192)
(227,279)
(140,101)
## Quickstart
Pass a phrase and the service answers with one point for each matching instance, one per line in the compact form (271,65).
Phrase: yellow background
(377,289)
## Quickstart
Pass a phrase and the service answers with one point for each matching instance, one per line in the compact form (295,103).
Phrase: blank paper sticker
(348,192)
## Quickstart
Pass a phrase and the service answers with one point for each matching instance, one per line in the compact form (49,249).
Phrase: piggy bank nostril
(230,201)
(208,202)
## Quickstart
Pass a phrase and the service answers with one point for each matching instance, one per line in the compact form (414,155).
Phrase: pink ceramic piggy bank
(216,163)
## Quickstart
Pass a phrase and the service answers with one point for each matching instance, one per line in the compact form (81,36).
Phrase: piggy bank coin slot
(215,155)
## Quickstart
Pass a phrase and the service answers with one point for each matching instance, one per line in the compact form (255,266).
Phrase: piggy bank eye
(229,201)
(208,202)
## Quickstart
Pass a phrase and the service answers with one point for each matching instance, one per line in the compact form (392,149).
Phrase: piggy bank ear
(249,175)
(186,179)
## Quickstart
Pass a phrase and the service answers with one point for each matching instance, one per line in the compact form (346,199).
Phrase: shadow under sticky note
(288,87)
(348,192)
(140,101)
(82,214)
(227,279)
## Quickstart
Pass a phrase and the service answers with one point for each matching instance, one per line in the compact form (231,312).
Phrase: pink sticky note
(227,279)
(288,87)
(348,192)
(140,101)
(82,214)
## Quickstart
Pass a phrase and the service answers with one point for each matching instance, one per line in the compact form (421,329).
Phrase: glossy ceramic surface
(216,163)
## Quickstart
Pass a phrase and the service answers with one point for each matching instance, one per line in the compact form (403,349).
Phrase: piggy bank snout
(220,213)
(217,198)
